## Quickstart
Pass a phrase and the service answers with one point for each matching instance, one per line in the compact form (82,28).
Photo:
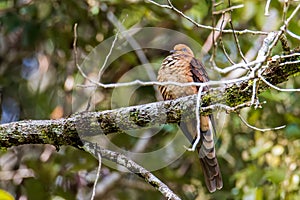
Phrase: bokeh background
(38,75)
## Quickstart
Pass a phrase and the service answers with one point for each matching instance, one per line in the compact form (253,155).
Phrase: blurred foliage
(37,71)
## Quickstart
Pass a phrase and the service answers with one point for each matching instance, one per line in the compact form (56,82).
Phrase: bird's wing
(198,71)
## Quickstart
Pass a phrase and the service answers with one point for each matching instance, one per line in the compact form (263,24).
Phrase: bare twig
(133,167)
(229,9)
(108,55)
(225,52)
(225,17)
(276,57)
(285,9)
(97,176)
(277,88)
(194,146)
(267,13)
(226,108)
(292,15)
(151,83)
(237,42)
(254,99)
(293,34)
(171,7)
(260,129)
(236,38)
(75,44)
(289,63)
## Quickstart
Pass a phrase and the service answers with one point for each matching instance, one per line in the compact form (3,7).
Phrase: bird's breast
(175,70)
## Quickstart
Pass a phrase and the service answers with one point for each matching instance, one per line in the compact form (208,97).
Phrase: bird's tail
(207,156)
(212,175)
(209,162)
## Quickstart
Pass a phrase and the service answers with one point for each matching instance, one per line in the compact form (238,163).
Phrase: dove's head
(182,49)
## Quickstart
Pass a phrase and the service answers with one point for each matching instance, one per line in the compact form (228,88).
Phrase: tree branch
(67,131)
(133,167)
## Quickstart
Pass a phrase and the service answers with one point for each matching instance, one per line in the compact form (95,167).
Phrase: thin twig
(276,57)
(75,45)
(226,108)
(213,36)
(267,13)
(289,63)
(293,14)
(229,9)
(277,88)
(254,99)
(236,38)
(237,42)
(225,52)
(151,83)
(194,146)
(171,7)
(108,55)
(221,40)
(293,34)
(285,9)
(260,129)
(97,176)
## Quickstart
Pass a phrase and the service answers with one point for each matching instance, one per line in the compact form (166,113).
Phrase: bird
(182,66)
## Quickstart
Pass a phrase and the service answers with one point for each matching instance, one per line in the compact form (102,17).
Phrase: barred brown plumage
(181,66)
